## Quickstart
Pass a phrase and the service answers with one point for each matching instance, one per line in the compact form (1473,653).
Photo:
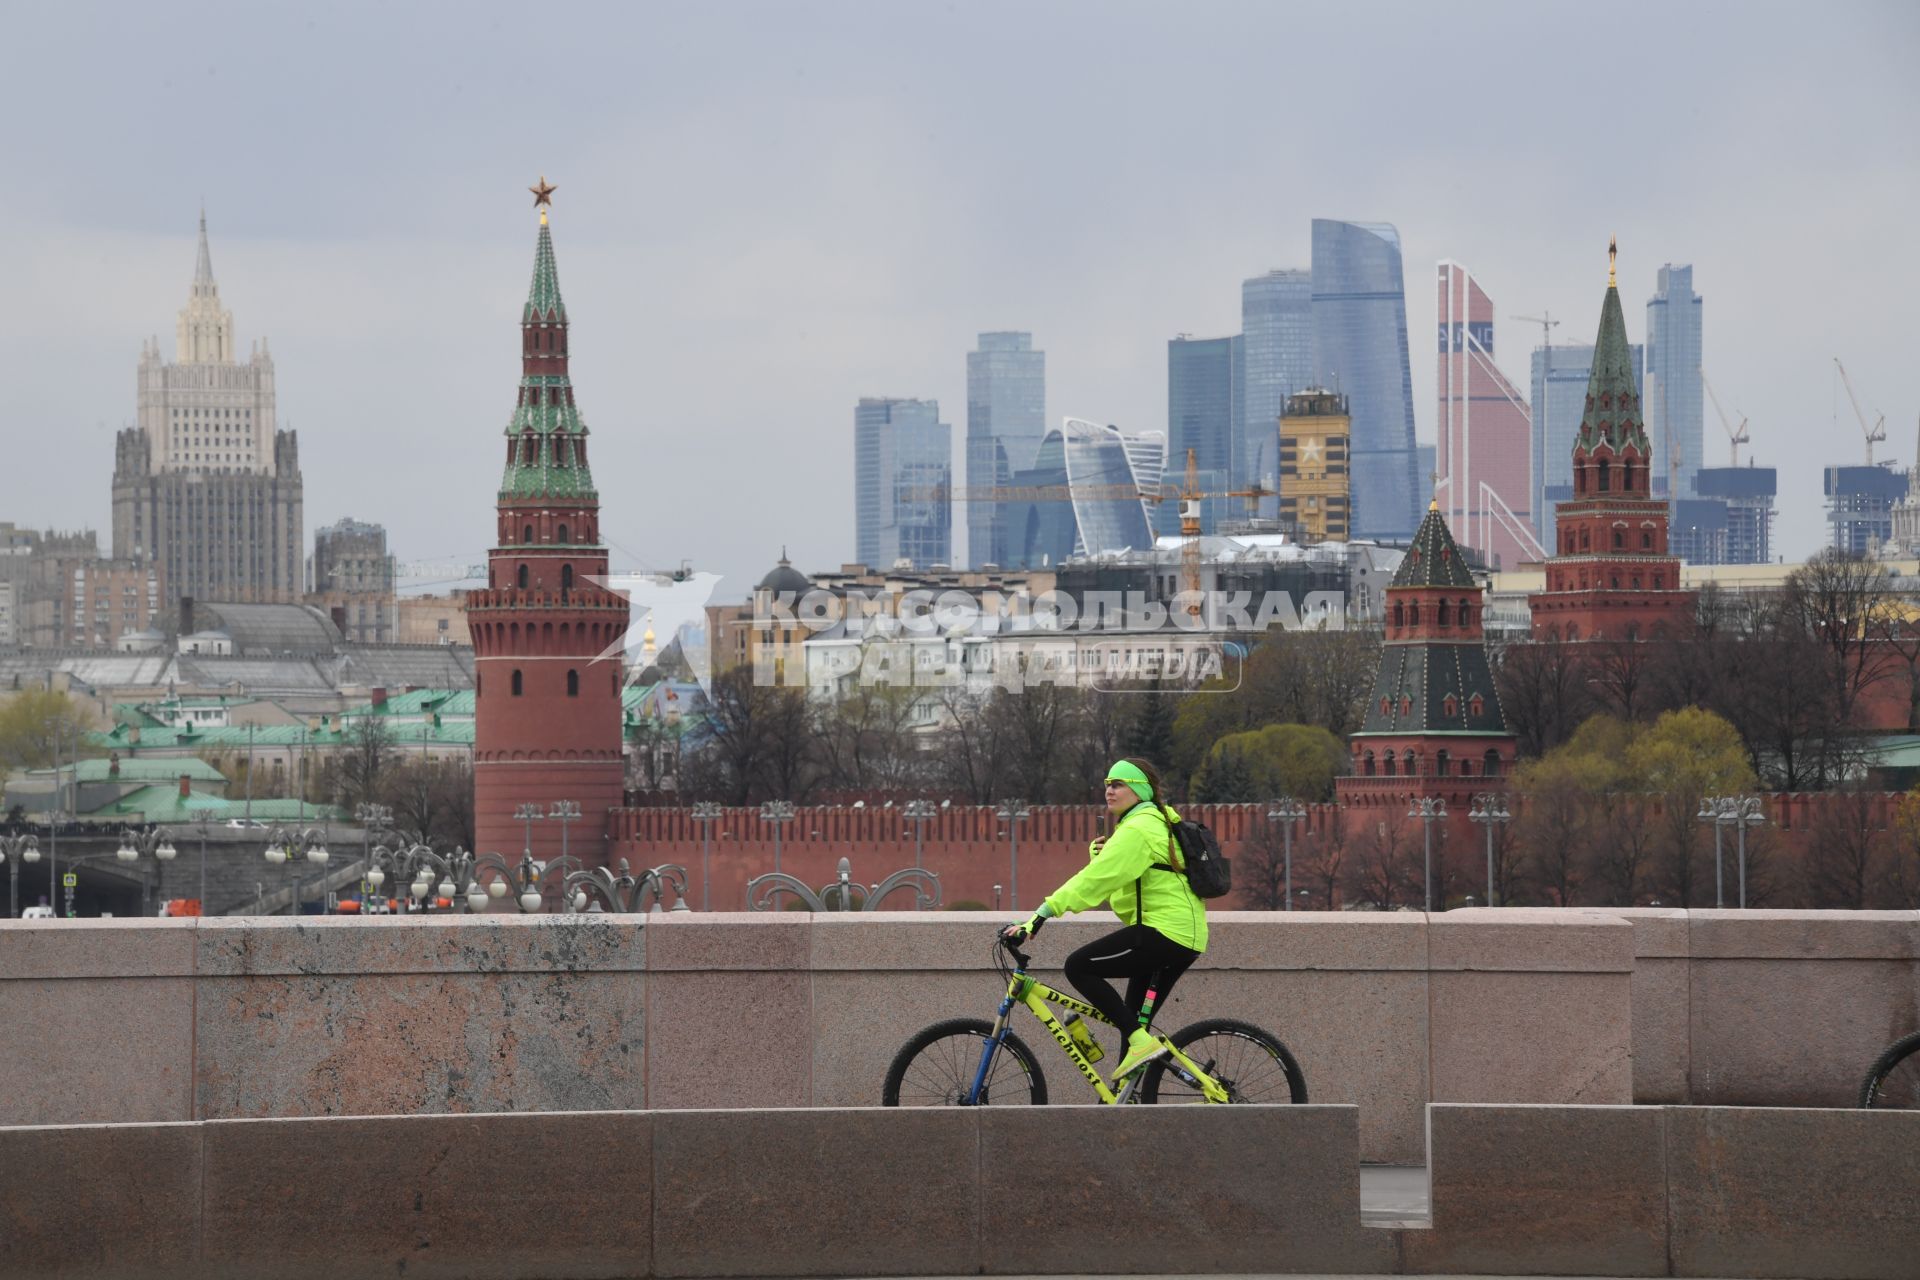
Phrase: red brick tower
(1434,726)
(547,705)
(1610,576)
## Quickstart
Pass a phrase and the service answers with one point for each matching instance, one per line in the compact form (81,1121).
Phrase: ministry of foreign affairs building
(206,486)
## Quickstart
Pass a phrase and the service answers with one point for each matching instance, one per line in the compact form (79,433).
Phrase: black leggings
(1143,956)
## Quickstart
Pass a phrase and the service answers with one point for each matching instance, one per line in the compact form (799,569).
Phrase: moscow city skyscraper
(1484,454)
(1006,416)
(902,482)
(1276,327)
(1675,410)
(1560,377)
(1204,382)
(1360,350)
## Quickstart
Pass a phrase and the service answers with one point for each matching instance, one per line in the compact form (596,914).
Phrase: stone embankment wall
(1515,1190)
(124,1021)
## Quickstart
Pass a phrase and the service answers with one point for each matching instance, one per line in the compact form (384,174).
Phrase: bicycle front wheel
(936,1069)
(1251,1064)
(1894,1082)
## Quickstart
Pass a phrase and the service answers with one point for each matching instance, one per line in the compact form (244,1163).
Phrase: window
(1606,477)
(573,684)
(1491,764)
(1476,706)
(523,577)
(1466,613)
(1386,706)
(526,535)
(566,579)
(1413,613)
(1389,763)
(1444,616)
(1367,764)
(1407,766)
(1646,540)
(1619,540)
(1451,706)
(563,533)
(1441,764)
(516,684)
(1399,614)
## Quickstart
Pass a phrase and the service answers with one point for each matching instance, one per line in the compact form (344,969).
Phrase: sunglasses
(1118,782)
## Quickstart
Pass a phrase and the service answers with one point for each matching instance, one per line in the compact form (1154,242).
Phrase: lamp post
(373,817)
(1427,808)
(625,892)
(286,848)
(565,812)
(779,813)
(1710,807)
(917,812)
(1286,811)
(706,813)
(14,850)
(1489,809)
(152,843)
(1013,813)
(1745,811)
(528,814)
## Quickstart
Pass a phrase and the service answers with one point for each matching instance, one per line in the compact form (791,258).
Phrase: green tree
(34,722)
(1679,760)
(1279,759)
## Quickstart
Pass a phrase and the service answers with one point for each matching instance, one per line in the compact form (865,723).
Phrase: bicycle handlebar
(1022,957)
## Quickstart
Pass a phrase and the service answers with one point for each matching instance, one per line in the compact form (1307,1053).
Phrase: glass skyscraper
(1360,351)
(1115,481)
(1672,379)
(1006,416)
(1204,379)
(902,483)
(1560,376)
(1276,325)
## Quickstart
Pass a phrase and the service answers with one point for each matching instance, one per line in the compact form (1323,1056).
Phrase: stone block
(1359,1037)
(282,946)
(1657,931)
(1792,1032)
(1662,1040)
(1344,940)
(98,1050)
(1807,1193)
(402,1043)
(109,948)
(738,940)
(1544,1190)
(875,1192)
(861,1020)
(729,1039)
(925,941)
(429,1196)
(1523,940)
(1803,935)
(1531,1037)
(1177,1190)
(99,1200)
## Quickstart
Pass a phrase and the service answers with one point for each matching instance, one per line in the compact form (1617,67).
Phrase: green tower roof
(548,435)
(1433,560)
(1613,414)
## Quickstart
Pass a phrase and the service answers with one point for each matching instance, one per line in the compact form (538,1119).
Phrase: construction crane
(1547,324)
(1736,436)
(1878,431)
(1190,535)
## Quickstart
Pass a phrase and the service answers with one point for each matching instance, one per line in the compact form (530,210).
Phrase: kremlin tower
(1610,576)
(547,637)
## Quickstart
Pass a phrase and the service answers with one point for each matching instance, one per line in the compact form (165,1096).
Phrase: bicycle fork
(991,1047)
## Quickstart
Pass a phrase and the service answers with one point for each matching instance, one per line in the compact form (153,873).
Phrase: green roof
(132,770)
(166,805)
(235,738)
(1613,414)
(1433,560)
(422,702)
(543,294)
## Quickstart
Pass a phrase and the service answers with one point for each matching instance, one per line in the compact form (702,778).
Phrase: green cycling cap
(1122,771)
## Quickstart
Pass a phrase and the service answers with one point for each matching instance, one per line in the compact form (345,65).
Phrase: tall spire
(1613,414)
(203,285)
(546,438)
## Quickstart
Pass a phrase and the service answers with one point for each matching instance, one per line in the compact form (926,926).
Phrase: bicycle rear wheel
(1894,1082)
(1250,1063)
(936,1068)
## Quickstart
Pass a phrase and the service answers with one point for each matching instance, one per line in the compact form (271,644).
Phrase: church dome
(784,579)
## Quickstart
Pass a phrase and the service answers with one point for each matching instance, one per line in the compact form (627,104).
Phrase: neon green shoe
(1141,1049)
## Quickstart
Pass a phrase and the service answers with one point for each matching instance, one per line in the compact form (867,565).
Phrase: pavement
(1395,1196)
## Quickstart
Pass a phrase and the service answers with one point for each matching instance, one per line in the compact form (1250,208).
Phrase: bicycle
(958,1062)
(1893,1082)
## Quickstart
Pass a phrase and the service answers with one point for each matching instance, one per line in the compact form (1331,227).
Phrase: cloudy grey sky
(768,211)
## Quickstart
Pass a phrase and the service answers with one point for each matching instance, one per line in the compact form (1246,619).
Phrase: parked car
(37,913)
(246,824)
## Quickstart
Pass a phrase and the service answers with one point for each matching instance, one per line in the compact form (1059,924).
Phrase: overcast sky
(766,212)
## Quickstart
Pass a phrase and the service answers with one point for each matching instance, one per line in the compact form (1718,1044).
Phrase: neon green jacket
(1165,901)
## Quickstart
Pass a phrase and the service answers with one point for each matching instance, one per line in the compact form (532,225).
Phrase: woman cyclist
(1136,870)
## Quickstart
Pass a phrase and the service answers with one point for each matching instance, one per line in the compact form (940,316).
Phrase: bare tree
(1543,691)
(1848,847)
(970,756)
(1377,866)
(1619,847)
(364,764)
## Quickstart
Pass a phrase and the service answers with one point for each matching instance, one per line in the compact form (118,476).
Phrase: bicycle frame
(1036,996)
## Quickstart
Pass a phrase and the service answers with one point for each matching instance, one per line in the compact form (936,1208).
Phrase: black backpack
(1209,872)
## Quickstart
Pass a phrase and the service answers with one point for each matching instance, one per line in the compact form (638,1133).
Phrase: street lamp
(1738,812)
(1427,808)
(528,814)
(1286,811)
(286,848)
(565,812)
(706,813)
(152,843)
(779,813)
(917,812)
(1013,813)
(14,850)
(1488,809)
